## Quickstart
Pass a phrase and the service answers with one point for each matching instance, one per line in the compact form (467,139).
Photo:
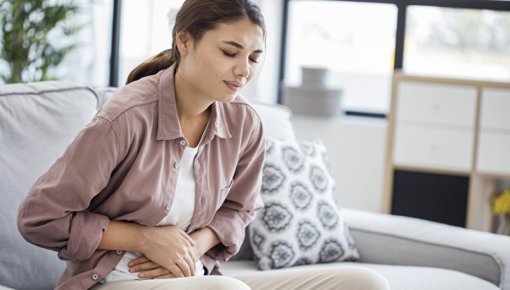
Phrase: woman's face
(223,60)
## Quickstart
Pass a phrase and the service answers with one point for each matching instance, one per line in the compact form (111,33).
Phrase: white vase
(503,224)
(313,96)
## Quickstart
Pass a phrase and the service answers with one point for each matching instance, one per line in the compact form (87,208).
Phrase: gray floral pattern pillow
(300,223)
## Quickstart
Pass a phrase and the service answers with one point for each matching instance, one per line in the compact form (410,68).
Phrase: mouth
(233,86)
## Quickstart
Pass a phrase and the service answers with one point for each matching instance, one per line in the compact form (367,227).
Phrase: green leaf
(25,46)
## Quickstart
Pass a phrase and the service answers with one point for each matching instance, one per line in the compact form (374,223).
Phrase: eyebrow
(233,43)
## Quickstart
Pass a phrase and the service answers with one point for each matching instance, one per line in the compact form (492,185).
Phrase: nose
(242,68)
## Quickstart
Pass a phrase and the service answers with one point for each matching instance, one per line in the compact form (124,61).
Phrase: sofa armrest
(397,240)
(5,288)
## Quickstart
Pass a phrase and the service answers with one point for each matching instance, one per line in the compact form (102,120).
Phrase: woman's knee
(225,283)
(363,279)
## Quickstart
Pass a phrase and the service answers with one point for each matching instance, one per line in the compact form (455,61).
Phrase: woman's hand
(170,248)
(148,269)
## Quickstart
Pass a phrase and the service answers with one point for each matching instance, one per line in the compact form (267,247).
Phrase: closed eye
(233,55)
(228,54)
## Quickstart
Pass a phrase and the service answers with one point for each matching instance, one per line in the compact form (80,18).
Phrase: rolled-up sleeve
(54,213)
(243,200)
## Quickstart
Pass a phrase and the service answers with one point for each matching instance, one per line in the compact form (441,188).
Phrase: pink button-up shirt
(123,166)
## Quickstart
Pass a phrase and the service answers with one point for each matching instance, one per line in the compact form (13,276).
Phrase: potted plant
(36,37)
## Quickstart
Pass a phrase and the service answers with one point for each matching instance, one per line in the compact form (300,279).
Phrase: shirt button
(183,142)
(167,207)
(119,252)
(176,165)
(95,277)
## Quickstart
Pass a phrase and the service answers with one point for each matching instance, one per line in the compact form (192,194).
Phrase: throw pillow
(300,223)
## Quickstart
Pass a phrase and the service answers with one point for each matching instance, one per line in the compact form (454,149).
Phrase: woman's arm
(205,239)
(54,213)
(243,199)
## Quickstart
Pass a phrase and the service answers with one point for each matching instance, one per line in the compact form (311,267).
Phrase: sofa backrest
(37,122)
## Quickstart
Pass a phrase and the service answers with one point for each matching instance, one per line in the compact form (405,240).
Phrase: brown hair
(196,17)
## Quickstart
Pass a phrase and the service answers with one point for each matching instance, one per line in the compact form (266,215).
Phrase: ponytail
(161,61)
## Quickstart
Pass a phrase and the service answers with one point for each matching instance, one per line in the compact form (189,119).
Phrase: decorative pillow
(300,223)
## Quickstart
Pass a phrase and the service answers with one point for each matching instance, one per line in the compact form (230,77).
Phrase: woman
(161,184)
(168,170)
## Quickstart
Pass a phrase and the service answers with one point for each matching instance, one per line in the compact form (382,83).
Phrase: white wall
(356,147)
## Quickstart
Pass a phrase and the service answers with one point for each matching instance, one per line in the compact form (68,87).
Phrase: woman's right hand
(169,247)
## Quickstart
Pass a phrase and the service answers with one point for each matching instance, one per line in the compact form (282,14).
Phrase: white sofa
(38,120)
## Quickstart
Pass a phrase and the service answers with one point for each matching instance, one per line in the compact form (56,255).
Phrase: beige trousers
(348,278)
(187,283)
(331,278)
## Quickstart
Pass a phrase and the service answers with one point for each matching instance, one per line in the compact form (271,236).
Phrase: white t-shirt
(180,215)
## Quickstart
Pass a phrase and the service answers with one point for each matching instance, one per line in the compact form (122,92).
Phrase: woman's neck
(193,110)
(190,103)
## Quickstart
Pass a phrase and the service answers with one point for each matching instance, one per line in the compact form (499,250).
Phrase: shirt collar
(168,121)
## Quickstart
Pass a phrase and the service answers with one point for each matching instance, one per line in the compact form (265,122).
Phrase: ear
(183,42)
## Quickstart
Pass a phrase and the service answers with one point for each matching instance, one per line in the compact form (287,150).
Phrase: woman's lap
(188,283)
(343,277)
(348,277)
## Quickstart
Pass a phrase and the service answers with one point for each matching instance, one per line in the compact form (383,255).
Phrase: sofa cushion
(400,240)
(399,277)
(37,121)
(300,222)
(276,120)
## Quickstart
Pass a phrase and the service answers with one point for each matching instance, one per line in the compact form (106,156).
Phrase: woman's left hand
(148,269)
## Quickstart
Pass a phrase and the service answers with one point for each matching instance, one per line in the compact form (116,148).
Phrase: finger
(192,254)
(153,273)
(191,264)
(139,260)
(176,271)
(144,267)
(188,238)
(166,276)
(183,264)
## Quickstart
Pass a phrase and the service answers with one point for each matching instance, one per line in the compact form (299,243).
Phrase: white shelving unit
(451,127)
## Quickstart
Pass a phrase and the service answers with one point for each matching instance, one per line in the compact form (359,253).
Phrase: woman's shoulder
(242,104)
(240,115)
(241,107)
(140,93)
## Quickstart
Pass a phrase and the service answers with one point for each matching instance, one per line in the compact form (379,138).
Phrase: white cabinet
(433,147)
(494,153)
(495,109)
(494,139)
(434,125)
(441,104)
(440,129)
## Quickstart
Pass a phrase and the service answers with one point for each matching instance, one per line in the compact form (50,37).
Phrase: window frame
(401,5)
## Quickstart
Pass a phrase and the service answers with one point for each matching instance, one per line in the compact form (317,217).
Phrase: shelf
(429,169)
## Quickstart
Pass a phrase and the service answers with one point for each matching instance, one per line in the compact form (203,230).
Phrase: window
(362,42)
(354,41)
(145,32)
(458,42)
(88,62)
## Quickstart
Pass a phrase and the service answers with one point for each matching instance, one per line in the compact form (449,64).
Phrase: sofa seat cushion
(399,277)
